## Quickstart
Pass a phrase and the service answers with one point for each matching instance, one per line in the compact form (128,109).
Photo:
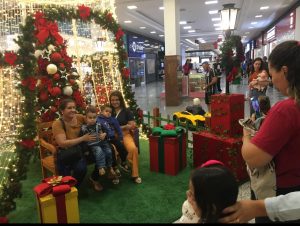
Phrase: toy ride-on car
(187,117)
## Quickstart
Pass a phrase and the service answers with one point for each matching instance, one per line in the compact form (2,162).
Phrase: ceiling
(195,12)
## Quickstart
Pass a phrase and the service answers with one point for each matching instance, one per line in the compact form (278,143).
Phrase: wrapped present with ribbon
(57,200)
(167,149)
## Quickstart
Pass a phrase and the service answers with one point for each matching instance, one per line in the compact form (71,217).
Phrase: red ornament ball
(56,76)
(43,96)
(55,57)
(53,109)
(55,91)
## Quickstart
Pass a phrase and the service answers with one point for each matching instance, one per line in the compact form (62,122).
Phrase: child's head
(91,115)
(196,101)
(106,110)
(264,104)
(211,189)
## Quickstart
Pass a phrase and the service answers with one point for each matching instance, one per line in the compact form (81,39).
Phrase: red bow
(56,185)
(232,74)
(45,29)
(169,127)
(119,34)
(27,143)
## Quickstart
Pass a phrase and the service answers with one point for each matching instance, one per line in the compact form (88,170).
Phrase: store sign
(206,46)
(135,46)
(271,34)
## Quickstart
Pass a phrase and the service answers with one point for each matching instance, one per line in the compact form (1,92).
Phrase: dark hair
(104,106)
(118,94)
(264,104)
(288,54)
(261,65)
(63,104)
(91,109)
(215,188)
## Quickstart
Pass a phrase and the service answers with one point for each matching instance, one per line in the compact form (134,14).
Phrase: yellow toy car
(185,116)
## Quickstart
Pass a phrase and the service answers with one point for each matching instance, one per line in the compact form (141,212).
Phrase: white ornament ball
(67,91)
(38,53)
(51,47)
(74,73)
(51,69)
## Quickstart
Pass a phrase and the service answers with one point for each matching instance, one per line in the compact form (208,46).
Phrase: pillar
(297,24)
(172,52)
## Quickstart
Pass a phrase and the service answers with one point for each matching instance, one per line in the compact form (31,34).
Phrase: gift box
(209,146)
(226,110)
(57,201)
(168,153)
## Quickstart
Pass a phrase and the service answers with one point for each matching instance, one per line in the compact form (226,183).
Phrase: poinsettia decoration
(10,58)
(84,12)
(28,143)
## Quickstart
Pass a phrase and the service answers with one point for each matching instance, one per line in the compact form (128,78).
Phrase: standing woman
(258,82)
(278,138)
(66,136)
(127,123)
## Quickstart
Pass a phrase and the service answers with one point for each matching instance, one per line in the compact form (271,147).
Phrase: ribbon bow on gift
(56,185)
(169,130)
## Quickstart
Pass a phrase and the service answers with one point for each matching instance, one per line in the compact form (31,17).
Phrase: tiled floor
(148,97)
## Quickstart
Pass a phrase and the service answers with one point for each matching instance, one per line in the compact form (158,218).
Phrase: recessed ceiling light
(131,7)
(216,19)
(253,22)
(153,32)
(142,27)
(161,8)
(218,28)
(187,27)
(127,21)
(217,25)
(191,31)
(213,12)
(264,7)
(258,16)
(182,22)
(211,2)
(161,35)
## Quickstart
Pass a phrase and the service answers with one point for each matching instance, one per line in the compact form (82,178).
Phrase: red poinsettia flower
(169,127)
(27,143)
(84,12)
(119,34)
(10,58)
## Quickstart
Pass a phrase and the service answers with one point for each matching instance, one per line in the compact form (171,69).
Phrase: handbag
(263,181)
(71,154)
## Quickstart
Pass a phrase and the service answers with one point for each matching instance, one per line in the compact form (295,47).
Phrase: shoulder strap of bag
(63,124)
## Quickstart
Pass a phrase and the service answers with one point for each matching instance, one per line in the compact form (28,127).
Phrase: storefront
(145,57)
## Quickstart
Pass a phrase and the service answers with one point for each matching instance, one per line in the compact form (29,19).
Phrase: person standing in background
(187,67)
(210,83)
(218,72)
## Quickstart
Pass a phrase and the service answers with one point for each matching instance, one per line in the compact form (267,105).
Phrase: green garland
(26,144)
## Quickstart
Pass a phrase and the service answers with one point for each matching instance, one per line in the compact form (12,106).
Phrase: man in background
(210,83)
(218,72)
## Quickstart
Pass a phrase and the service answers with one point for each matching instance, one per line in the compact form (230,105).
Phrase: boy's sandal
(116,181)
(137,180)
(96,185)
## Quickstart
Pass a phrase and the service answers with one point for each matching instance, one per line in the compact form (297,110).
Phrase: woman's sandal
(137,180)
(96,185)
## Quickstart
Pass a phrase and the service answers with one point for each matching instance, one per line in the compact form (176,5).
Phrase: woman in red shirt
(279,136)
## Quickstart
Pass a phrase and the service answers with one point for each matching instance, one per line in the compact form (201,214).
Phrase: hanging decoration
(42,90)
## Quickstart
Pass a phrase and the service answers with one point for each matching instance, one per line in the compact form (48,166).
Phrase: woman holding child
(127,123)
(66,134)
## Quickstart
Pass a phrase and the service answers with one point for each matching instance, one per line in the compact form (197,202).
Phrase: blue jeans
(255,93)
(76,169)
(103,155)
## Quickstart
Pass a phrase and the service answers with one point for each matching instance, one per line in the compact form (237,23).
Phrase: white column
(297,24)
(172,28)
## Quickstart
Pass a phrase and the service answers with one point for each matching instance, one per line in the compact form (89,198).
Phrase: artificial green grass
(157,200)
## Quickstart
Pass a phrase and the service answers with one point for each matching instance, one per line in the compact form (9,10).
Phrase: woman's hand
(89,137)
(102,136)
(244,211)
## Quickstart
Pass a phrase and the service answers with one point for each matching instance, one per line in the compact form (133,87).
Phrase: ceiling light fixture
(182,22)
(211,2)
(142,28)
(216,19)
(153,32)
(264,7)
(228,15)
(131,7)
(187,27)
(191,31)
(253,23)
(213,12)
(127,21)
(161,8)
(258,16)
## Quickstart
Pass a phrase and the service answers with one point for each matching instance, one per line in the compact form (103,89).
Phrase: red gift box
(226,110)
(171,157)
(209,146)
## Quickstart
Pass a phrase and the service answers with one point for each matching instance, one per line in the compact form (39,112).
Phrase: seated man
(196,109)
